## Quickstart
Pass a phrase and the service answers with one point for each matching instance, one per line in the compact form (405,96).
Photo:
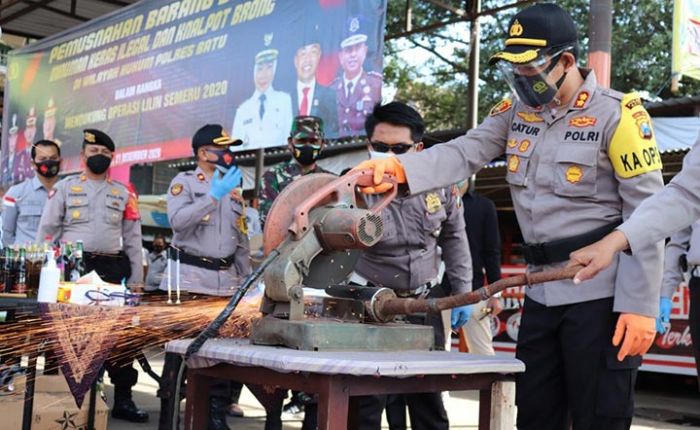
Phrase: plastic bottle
(49,280)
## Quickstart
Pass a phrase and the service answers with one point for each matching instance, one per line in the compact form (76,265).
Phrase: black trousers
(572,373)
(694,320)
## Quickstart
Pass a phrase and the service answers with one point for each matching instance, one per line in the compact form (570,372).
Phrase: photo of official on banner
(152,73)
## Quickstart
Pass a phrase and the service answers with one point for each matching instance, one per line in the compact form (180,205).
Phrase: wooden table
(337,376)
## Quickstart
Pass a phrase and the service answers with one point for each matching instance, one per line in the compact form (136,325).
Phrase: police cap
(536,30)
(213,134)
(93,136)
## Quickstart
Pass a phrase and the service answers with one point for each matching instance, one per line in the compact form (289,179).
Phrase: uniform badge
(176,189)
(530,117)
(524,145)
(503,106)
(243,224)
(206,218)
(512,143)
(76,189)
(641,118)
(581,100)
(634,102)
(115,191)
(76,214)
(432,202)
(115,203)
(89,137)
(516,29)
(582,121)
(83,178)
(513,163)
(200,177)
(574,174)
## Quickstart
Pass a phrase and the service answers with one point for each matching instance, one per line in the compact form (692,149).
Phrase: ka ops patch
(633,148)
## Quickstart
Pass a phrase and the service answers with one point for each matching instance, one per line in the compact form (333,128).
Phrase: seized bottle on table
(78,262)
(20,286)
(8,270)
(49,280)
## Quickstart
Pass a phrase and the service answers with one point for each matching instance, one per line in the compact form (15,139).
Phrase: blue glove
(220,186)
(460,316)
(665,306)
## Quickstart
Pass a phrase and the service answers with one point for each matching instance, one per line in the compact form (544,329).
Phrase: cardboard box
(54,408)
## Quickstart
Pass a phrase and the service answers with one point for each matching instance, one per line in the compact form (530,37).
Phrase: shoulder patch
(501,107)
(9,201)
(175,189)
(632,149)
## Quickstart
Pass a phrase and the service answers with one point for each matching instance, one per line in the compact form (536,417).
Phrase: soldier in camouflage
(306,142)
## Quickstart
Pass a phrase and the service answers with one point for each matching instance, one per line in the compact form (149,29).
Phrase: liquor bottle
(67,262)
(8,270)
(20,286)
(78,262)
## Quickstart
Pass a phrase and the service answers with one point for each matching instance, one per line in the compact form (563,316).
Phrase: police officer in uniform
(210,232)
(23,203)
(357,90)
(104,215)
(263,120)
(407,259)
(305,142)
(580,158)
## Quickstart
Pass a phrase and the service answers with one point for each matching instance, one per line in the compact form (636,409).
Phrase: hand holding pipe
(395,306)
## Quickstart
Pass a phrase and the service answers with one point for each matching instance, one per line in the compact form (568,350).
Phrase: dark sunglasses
(397,148)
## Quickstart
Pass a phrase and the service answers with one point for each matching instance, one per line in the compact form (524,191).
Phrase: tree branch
(458,67)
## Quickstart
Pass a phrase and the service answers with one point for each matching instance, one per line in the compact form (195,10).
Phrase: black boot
(217,413)
(125,409)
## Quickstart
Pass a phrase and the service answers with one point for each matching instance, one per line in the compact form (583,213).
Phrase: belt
(88,254)
(211,263)
(556,251)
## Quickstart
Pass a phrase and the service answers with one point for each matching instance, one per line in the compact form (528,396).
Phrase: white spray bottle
(49,280)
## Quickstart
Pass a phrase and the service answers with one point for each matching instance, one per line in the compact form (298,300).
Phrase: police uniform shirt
(22,207)
(353,107)
(103,214)
(673,208)
(204,227)
(407,255)
(270,130)
(570,171)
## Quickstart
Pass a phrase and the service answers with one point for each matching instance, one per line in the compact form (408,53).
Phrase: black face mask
(306,155)
(48,168)
(535,91)
(99,163)
(224,159)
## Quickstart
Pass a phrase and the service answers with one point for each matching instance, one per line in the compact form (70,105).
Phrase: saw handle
(344,189)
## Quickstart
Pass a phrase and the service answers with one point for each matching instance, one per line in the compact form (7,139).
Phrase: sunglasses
(396,148)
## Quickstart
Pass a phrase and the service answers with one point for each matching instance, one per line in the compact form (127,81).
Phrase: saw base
(320,335)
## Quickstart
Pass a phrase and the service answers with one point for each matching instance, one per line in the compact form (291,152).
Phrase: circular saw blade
(281,213)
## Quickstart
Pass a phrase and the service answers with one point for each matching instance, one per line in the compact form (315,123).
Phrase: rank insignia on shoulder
(432,202)
(502,106)
(176,189)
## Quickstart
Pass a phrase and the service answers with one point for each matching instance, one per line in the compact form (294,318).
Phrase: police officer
(580,158)
(357,90)
(209,230)
(262,120)
(104,215)
(305,142)
(407,259)
(23,203)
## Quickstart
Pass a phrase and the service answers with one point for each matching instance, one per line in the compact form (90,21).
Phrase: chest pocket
(77,210)
(30,214)
(435,213)
(575,170)
(114,212)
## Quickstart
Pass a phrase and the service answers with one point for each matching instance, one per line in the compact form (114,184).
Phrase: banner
(151,74)
(686,39)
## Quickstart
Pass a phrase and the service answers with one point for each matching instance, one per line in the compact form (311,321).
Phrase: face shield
(530,81)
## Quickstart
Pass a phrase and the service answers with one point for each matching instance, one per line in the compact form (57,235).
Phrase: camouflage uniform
(275,179)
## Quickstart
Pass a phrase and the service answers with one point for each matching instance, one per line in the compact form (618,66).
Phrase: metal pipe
(415,306)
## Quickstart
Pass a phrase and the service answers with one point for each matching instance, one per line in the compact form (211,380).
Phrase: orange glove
(391,166)
(639,332)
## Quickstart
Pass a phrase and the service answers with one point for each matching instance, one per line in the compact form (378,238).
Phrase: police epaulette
(617,95)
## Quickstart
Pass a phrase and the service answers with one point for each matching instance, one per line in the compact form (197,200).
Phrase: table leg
(197,404)
(485,409)
(503,405)
(29,391)
(333,403)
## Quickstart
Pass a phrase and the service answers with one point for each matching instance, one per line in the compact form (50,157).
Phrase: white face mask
(374,155)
